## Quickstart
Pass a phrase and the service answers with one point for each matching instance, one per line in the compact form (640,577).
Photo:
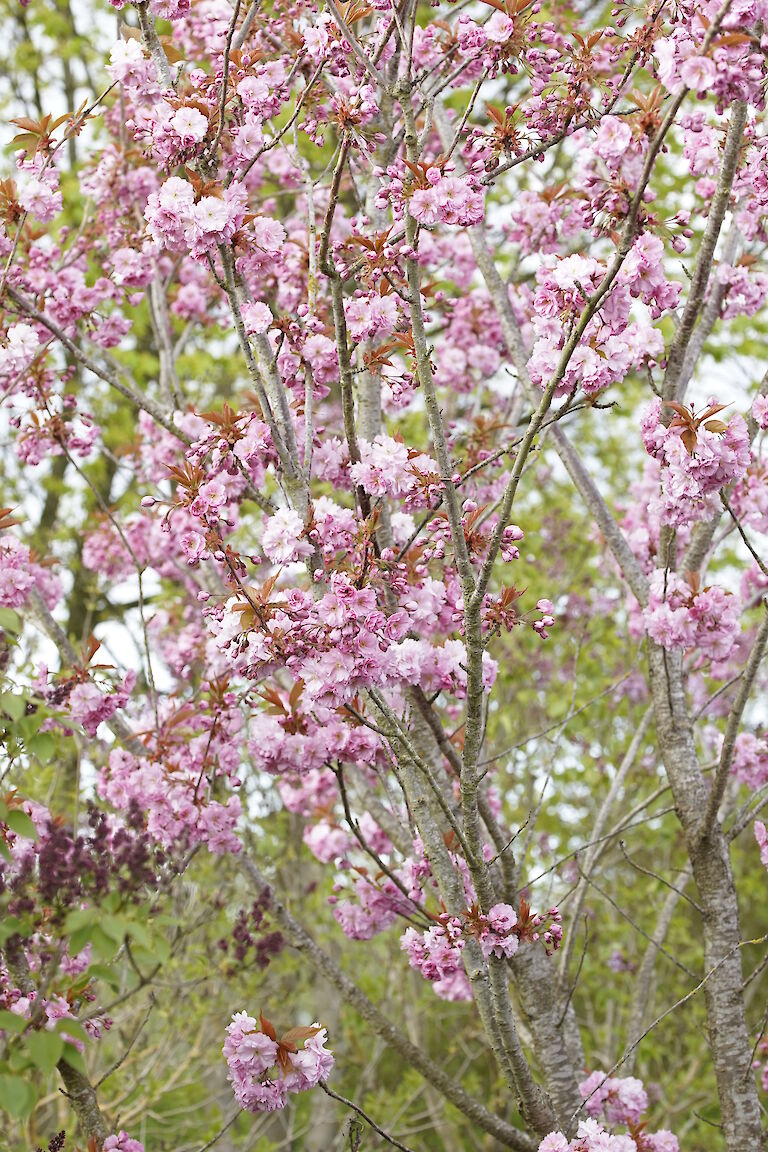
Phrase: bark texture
(710,860)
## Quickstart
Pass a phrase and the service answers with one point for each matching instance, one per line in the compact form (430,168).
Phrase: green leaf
(71,1028)
(79,939)
(74,1058)
(163,949)
(42,746)
(111,902)
(78,986)
(106,973)
(18,1060)
(12,705)
(104,948)
(145,958)
(10,1022)
(147,940)
(29,724)
(141,935)
(114,926)
(80,918)
(9,620)
(21,824)
(17,1096)
(11,926)
(45,1049)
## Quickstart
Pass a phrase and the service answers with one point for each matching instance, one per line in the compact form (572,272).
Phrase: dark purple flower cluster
(64,870)
(56,1143)
(248,934)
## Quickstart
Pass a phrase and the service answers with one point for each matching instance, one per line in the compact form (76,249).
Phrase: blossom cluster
(699,456)
(176,221)
(338,643)
(20,572)
(437,952)
(437,196)
(613,343)
(375,906)
(591,1136)
(175,797)
(621,1101)
(750,760)
(122,1142)
(85,701)
(264,1070)
(682,615)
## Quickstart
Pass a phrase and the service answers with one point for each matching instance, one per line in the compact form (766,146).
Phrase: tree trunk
(710,859)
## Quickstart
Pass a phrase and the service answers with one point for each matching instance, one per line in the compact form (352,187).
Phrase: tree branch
(432,1072)
(734,723)
(153,45)
(674,378)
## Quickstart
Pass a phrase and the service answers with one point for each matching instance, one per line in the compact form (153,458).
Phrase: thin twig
(245,27)
(667,1012)
(225,80)
(655,876)
(356,1108)
(121,1060)
(614,904)
(221,1131)
(356,47)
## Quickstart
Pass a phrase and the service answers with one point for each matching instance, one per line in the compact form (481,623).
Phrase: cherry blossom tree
(383,575)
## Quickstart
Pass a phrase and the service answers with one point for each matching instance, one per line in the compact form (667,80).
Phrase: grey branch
(153,45)
(674,378)
(734,723)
